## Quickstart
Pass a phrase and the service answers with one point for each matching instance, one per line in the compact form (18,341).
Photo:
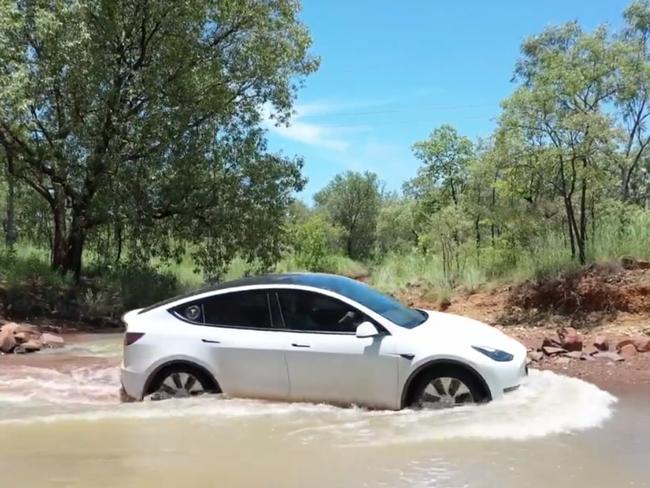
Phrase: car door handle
(300,345)
(208,341)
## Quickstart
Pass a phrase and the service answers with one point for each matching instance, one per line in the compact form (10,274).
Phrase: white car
(315,338)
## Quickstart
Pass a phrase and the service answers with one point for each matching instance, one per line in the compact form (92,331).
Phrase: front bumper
(507,377)
(523,373)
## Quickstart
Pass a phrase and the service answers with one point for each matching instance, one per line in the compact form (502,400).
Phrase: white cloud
(312,133)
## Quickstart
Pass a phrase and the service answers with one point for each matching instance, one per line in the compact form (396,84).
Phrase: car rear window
(237,309)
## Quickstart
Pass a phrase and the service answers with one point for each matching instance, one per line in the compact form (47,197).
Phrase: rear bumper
(124,396)
(132,385)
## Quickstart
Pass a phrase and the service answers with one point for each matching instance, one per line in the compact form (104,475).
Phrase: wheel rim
(180,385)
(445,392)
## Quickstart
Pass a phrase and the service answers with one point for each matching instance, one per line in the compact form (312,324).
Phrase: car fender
(178,358)
(420,364)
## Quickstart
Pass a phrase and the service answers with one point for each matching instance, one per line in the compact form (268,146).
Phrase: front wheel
(180,382)
(446,388)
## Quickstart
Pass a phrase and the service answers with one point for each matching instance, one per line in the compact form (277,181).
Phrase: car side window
(236,309)
(313,312)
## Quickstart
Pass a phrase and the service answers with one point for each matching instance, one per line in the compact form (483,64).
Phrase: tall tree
(567,77)
(633,101)
(147,113)
(353,200)
(446,156)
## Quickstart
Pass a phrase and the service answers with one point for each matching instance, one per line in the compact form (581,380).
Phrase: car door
(244,348)
(325,359)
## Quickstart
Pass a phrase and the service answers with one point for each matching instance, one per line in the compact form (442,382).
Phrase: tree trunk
(118,238)
(10,220)
(59,245)
(74,252)
(68,242)
(570,220)
(582,235)
(477,231)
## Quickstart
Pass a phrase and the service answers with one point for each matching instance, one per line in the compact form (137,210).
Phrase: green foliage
(145,119)
(352,201)
(28,265)
(446,157)
(448,235)
(336,264)
(140,285)
(315,241)
(31,288)
(397,231)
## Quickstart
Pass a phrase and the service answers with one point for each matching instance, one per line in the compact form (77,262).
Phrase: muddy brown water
(61,425)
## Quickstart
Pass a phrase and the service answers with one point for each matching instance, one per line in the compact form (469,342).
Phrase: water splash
(546,404)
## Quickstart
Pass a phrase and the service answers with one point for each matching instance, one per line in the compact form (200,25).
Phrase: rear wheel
(446,387)
(181,382)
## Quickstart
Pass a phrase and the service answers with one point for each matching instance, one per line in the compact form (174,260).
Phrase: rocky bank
(24,338)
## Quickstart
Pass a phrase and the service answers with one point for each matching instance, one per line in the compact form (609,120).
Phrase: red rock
(642,344)
(54,329)
(570,339)
(553,351)
(608,355)
(11,327)
(13,335)
(575,355)
(52,341)
(550,342)
(628,351)
(21,337)
(624,343)
(31,345)
(7,341)
(7,336)
(20,328)
(601,343)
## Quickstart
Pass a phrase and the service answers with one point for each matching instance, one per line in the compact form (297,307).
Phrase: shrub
(315,242)
(138,284)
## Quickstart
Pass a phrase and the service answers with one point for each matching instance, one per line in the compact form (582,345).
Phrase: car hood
(450,328)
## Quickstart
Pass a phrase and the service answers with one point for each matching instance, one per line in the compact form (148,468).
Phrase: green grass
(614,240)
(335,264)
(548,257)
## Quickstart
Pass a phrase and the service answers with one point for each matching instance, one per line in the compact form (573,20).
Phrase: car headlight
(495,354)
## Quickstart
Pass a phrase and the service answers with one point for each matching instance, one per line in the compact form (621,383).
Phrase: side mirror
(366,329)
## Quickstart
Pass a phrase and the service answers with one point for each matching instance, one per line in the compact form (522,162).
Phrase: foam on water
(546,404)
(80,386)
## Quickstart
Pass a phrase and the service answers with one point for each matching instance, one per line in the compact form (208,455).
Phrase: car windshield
(384,305)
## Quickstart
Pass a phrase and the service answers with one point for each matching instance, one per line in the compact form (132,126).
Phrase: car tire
(180,381)
(446,387)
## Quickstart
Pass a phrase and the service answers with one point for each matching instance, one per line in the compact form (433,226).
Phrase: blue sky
(392,71)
